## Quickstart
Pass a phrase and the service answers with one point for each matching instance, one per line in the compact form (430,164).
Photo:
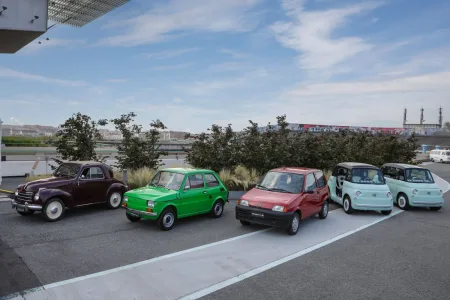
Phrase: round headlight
(16,193)
(36,196)
(150,203)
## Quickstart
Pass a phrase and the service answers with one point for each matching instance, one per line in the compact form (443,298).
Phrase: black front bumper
(264,216)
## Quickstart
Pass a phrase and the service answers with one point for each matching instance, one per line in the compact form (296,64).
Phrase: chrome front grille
(25,196)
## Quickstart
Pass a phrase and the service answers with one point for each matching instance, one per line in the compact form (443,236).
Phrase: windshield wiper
(261,187)
(279,190)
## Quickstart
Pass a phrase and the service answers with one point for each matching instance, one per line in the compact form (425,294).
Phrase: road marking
(228,282)
(442,183)
(216,265)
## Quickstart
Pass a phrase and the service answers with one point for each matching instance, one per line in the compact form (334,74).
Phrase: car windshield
(367,176)
(448,153)
(67,170)
(168,180)
(419,176)
(282,182)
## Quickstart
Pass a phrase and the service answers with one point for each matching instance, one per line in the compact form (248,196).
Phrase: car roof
(351,165)
(84,162)
(187,170)
(297,170)
(402,166)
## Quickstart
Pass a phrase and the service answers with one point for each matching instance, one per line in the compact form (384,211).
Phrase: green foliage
(135,151)
(77,137)
(277,146)
(21,141)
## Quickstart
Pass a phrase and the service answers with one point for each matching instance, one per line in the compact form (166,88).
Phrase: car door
(194,196)
(213,189)
(322,190)
(311,196)
(91,186)
(332,184)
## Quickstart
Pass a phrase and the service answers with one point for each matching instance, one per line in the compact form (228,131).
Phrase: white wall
(21,12)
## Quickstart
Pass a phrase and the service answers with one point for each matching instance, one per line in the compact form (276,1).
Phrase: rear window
(367,176)
(419,176)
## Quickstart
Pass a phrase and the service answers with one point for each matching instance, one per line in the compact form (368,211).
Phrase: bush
(277,146)
(137,178)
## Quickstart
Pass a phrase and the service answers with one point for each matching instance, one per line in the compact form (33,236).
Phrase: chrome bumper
(140,212)
(26,207)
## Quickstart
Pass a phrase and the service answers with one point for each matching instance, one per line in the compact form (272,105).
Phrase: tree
(76,138)
(138,149)
(446,126)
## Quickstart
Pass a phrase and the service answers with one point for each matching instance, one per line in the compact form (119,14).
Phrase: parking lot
(363,256)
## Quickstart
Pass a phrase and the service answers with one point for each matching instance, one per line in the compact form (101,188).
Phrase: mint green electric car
(412,186)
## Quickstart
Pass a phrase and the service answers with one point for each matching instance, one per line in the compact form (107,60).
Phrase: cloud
(9,73)
(178,100)
(234,53)
(172,67)
(425,83)
(117,80)
(170,53)
(310,33)
(176,16)
(52,43)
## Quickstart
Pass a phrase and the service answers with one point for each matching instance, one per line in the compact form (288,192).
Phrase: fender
(218,198)
(116,187)
(47,194)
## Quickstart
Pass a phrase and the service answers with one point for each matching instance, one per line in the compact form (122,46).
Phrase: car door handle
(204,192)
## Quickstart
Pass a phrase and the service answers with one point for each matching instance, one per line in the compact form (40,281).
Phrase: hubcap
(115,199)
(218,209)
(346,204)
(295,223)
(325,209)
(54,210)
(402,201)
(168,220)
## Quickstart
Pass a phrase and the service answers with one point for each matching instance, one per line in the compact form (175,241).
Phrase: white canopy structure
(22,21)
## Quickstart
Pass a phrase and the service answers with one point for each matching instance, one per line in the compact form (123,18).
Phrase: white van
(440,155)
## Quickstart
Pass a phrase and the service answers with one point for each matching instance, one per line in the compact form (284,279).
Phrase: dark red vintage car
(73,184)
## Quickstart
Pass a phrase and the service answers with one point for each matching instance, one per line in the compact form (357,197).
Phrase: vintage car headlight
(243,202)
(358,193)
(150,203)
(278,208)
(36,196)
(414,191)
(125,199)
(16,193)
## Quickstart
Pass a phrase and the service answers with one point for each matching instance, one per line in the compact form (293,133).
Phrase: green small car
(176,193)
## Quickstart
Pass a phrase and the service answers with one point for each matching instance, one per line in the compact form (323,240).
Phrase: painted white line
(153,260)
(228,282)
(443,184)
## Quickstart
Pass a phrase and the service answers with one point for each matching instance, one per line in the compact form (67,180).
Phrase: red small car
(284,197)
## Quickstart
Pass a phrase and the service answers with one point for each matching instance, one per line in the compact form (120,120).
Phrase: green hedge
(222,148)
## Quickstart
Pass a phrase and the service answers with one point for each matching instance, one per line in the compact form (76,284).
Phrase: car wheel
(348,205)
(323,213)
(432,160)
(436,208)
(245,223)
(26,213)
(403,202)
(386,212)
(166,220)
(132,218)
(114,200)
(217,209)
(53,210)
(295,224)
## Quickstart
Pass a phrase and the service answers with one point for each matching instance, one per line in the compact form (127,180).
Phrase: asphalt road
(405,257)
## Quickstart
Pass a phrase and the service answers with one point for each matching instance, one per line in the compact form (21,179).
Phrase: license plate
(21,209)
(258,215)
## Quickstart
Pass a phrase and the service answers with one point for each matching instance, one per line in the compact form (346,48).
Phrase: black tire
(403,202)
(386,212)
(246,223)
(132,218)
(26,213)
(348,208)
(323,213)
(436,208)
(167,219)
(293,229)
(217,209)
(116,202)
(53,210)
